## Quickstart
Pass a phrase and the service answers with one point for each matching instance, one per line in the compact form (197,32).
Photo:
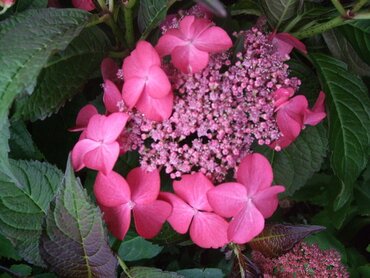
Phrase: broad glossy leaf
(201,273)
(279,11)
(341,49)
(358,34)
(26,190)
(348,107)
(277,239)
(63,75)
(151,272)
(74,243)
(151,13)
(245,7)
(26,42)
(294,165)
(215,6)
(138,248)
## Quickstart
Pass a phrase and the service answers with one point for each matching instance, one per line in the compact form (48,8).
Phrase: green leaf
(151,13)
(358,34)
(151,272)
(215,6)
(22,269)
(341,49)
(348,107)
(280,11)
(201,273)
(168,235)
(26,42)
(137,248)
(22,5)
(277,239)
(246,7)
(294,165)
(63,75)
(21,143)
(26,190)
(74,243)
(7,250)
(362,197)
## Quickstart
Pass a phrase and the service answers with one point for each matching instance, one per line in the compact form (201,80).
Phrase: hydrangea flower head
(191,44)
(146,86)
(249,201)
(118,197)
(191,210)
(99,149)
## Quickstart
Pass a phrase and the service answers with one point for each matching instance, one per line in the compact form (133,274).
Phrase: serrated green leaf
(341,49)
(64,75)
(26,190)
(137,248)
(358,34)
(21,143)
(74,243)
(151,13)
(151,272)
(294,165)
(277,239)
(26,42)
(245,7)
(279,11)
(201,273)
(348,107)
(215,6)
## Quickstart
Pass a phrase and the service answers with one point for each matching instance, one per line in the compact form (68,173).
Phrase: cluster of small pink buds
(303,261)
(218,113)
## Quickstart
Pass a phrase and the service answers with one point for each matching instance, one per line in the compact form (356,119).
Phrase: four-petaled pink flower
(117,198)
(146,85)
(83,118)
(285,42)
(249,201)
(99,149)
(293,114)
(87,5)
(191,209)
(190,45)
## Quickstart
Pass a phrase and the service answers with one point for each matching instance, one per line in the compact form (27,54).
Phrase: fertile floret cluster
(218,113)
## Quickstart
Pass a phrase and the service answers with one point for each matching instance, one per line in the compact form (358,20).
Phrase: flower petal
(149,218)
(193,189)
(147,55)
(227,199)
(132,91)
(317,114)
(109,69)
(84,116)
(112,96)
(144,185)
(117,219)
(155,109)
(255,173)
(186,27)
(167,43)
(181,215)
(213,40)
(111,190)
(292,41)
(246,225)
(266,201)
(80,150)
(209,230)
(157,85)
(189,59)
(102,158)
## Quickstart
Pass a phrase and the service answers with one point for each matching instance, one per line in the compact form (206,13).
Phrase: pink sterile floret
(118,197)
(293,114)
(99,149)
(249,200)
(285,42)
(191,210)
(87,5)
(146,86)
(191,44)
(83,118)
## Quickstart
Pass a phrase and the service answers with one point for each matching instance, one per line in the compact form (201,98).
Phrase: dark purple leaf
(243,264)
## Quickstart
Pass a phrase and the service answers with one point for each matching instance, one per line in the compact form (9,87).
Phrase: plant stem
(359,5)
(236,250)
(362,16)
(111,5)
(119,54)
(124,267)
(339,7)
(129,24)
(320,28)
(98,20)
(11,272)
(102,4)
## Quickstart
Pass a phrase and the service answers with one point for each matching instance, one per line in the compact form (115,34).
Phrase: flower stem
(359,5)
(129,24)
(111,5)
(320,28)
(237,252)
(339,7)
(124,267)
